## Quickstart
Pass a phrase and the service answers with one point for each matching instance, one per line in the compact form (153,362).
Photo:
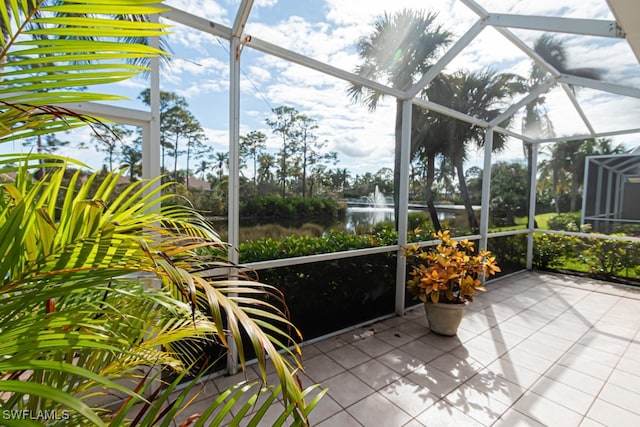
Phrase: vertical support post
(486,188)
(403,205)
(234,176)
(584,190)
(532,205)
(598,206)
(609,195)
(151,133)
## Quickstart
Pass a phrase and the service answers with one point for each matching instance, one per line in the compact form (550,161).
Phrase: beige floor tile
(625,380)
(375,374)
(322,367)
(621,397)
(376,411)
(513,418)
(578,380)
(541,350)
(604,412)
(496,387)
(440,342)
(586,366)
(547,411)
(342,419)
(629,365)
(473,354)
(373,346)
(528,360)
(433,380)
(414,423)
(502,335)
(421,350)
(551,341)
(563,394)
(399,361)
(589,352)
(409,396)
(348,356)
(413,329)
(459,366)
(519,375)
(330,344)
(588,422)
(394,337)
(326,408)
(346,389)
(476,404)
(443,414)
(488,345)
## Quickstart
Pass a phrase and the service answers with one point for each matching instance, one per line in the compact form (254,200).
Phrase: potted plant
(446,277)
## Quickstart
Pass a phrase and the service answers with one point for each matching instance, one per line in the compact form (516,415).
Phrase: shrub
(272,206)
(566,221)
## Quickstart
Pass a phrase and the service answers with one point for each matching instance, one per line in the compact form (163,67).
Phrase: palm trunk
(464,194)
(175,161)
(431,174)
(529,154)
(397,163)
(188,155)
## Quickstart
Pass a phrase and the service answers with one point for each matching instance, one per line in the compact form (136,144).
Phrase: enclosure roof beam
(266,47)
(451,53)
(432,106)
(587,27)
(533,94)
(204,25)
(621,166)
(600,85)
(516,135)
(241,17)
(482,12)
(597,135)
(576,105)
(126,116)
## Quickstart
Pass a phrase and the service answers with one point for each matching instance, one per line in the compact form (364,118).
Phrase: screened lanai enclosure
(444,98)
(326,141)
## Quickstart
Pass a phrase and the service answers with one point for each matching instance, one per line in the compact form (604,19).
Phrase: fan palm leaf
(53,50)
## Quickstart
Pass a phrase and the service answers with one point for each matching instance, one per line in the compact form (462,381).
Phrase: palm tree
(78,317)
(266,163)
(221,161)
(402,46)
(202,168)
(478,94)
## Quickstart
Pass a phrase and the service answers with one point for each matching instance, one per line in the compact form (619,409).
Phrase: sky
(328,31)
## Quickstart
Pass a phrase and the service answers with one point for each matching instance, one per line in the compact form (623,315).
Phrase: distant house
(611,191)
(199,184)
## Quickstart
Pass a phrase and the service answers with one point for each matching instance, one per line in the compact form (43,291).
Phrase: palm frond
(51,50)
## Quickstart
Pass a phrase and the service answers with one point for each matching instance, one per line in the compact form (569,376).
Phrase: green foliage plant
(100,290)
(449,273)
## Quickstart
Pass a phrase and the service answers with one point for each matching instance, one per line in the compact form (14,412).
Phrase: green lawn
(521,222)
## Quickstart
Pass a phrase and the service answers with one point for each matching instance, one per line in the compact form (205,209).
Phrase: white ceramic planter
(444,319)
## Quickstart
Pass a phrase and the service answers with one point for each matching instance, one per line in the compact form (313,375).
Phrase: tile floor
(536,350)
